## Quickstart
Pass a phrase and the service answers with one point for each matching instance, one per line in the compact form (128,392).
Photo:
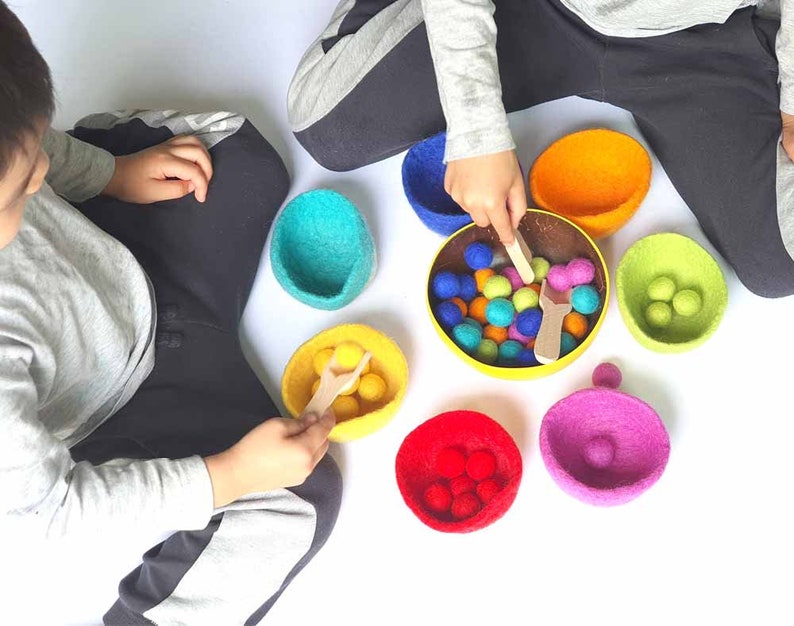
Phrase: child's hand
(167,171)
(788,134)
(491,189)
(278,453)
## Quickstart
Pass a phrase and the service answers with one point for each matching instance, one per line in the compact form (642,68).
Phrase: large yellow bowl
(548,235)
(387,361)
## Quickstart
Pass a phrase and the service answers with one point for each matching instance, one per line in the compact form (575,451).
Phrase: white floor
(711,543)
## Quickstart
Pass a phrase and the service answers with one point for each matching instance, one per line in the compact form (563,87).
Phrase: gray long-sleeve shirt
(76,341)
(462,37)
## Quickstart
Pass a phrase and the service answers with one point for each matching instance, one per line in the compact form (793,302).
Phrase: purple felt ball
(449,314)
(528,322)
(511,274)
(512,333)
(468,287)
(580,271)
(478,255)
(607,375)
(558,278)
(446,285)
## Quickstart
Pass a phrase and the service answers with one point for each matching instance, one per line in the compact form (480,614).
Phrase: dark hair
(26,95)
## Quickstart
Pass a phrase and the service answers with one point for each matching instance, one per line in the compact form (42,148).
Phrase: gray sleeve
(78,170)
(784,47)
(48,494)
(462,37)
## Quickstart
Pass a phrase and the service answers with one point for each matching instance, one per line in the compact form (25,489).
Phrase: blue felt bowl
(322,251)
(423,182)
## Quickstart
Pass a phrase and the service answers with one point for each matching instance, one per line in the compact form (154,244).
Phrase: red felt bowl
(468,431)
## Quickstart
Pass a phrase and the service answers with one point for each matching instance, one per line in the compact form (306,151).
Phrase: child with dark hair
(124,394)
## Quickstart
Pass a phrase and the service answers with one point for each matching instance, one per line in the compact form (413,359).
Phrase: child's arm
(78,171)
(483,174)
(784,46)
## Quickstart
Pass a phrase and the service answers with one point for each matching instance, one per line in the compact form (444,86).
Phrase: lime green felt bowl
(690,267)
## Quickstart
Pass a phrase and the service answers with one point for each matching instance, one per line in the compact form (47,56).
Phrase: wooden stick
(521,255)
(333,382)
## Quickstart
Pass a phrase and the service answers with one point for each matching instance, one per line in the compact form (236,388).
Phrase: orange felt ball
(465,505)
(487,489)
(531,342)
(575,324)
(450,462)
(461,305)
(477,309)
(438,498)
(462,484)
(481,277)
(481,464)
(535,287)
(499,335)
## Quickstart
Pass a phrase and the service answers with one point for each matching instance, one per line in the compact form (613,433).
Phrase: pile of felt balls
(466,483)
(367,389)
(494,317)
(666,299)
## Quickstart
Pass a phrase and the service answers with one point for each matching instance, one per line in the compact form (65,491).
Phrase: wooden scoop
(521,255)
(555,305)
(333,381)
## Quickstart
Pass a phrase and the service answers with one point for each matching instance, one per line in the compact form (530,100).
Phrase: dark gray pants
(706,100)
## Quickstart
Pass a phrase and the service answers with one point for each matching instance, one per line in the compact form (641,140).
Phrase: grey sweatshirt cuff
(187,494)
(478,142)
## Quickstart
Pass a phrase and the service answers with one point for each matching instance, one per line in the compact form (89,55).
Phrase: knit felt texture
(596,178)
(423,173)
(469,431)
(322,251)
(387,361)
(690,267)
(603,446)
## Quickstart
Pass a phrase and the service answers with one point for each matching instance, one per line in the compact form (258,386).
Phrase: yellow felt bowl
(550,236)
(597,178)
(387,362)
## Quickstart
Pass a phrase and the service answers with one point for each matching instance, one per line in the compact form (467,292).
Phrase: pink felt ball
(481,465)
(462,484)
(580,271)
(607,375)
(450,462)
(465,505)
(558,278)
(487,489)
(511,274)
(438,498)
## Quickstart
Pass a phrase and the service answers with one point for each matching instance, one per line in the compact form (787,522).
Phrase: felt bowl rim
(619,494)
(445,422)
(646,340)
(362,425)
(536,371)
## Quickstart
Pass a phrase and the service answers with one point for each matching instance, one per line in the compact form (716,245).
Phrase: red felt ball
(462,484)
(487,489)
(450,462)
(481,464)
(438,498)
(465,505)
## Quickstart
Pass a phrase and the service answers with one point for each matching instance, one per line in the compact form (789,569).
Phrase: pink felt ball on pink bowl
(603,446)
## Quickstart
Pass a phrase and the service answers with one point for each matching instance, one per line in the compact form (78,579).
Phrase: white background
(710,543)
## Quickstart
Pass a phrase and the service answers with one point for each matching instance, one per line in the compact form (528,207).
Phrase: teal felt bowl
(322,252)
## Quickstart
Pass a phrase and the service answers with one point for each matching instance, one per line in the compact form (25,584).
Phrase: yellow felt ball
(371,388)
(350,389)
(321,360)
(345,407)
(348,354)
(315,386)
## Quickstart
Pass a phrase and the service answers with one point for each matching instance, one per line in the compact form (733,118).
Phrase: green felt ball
(467,336)
(488,351)
(687,302)
(658,314)
(662,288)
(525,298)
(497,287)
(540,267)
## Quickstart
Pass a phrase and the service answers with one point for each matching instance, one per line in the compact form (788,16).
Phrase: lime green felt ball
(687,302)
(661,288)
(540,267)
(488,351)
(525,298)
(658,314)
(497,287)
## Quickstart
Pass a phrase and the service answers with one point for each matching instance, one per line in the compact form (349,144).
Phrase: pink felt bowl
(469,432)
(603,446)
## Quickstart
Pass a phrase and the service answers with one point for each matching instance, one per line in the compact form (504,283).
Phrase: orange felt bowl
(596,178)
(468,431)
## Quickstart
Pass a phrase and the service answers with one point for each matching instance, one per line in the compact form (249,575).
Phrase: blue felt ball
(478,255)
(526,358)
(468,287)
(449,314)
(567,343)
(509,350)
(585,299)
(446,285)
(528,322)
(500,312)
(467,337)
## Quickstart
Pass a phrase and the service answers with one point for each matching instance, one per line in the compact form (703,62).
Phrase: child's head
(26,106)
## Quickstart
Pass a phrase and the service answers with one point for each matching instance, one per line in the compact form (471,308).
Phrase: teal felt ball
(585,299)
(509,350)
(467,337)
(474,323)
(500,312)
(446,285)
(567,343)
